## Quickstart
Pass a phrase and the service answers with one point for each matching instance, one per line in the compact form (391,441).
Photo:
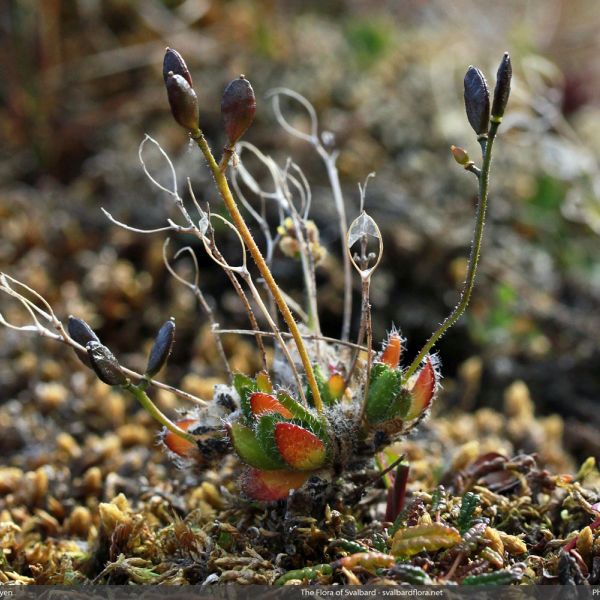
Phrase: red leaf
(391,355)
(422,391)
(269,486)
(179,445)
(262,403)
(300,448)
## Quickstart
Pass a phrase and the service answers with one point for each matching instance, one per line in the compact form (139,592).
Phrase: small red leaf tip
(179,445)
(300,448)
(269,486)
(261,403)
(391,355)
(422,392)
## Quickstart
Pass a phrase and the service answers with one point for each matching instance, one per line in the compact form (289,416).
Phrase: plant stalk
(265,272)
(465,296)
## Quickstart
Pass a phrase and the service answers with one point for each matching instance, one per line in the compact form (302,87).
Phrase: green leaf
(383,398)
(245,386)
(304,417)
(265,432)
(470,502)
(250,450)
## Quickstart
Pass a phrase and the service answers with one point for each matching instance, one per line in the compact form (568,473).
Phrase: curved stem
(242,228)
(465,295)
(334,181)
(156,414)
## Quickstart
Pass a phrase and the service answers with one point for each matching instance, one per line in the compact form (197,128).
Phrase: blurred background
(81,84)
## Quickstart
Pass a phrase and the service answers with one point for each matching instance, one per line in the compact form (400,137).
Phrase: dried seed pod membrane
(183,101)
(238,107)
(162,348)
(412,540)
(300,448)
(173,63)
(477,100)
(105,365)
(502,89)
(268,486)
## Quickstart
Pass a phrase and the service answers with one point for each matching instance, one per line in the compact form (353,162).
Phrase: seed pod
(82,333)
(238,106)
(163,344)
(183,101)
(173,62)
(477,100)
(105,364)
(502,89)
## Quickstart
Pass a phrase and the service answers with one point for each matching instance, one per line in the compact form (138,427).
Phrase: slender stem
(242,296)
(248,280)
(310,336)
(465,295)
(334,182)
(156,414)
(369,330)
(241,226)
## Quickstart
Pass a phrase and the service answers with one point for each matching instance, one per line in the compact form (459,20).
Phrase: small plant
(324,407)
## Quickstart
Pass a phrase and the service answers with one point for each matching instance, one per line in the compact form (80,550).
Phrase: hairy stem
(242,228)
(465,295)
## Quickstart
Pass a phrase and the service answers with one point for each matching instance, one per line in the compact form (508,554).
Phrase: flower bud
(502,89)
(183,101)
(477,100)
(105,364)
(461,156)
(238,106)
(174,63)
(163,344)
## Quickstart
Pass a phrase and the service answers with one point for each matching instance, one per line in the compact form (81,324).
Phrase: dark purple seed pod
(174,63)
(105,364)
(238,107)
(502,89)
(163,344)
(477,100)
(183,101)
(82,333)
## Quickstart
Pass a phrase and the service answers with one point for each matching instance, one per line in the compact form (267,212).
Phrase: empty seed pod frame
(324,407)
